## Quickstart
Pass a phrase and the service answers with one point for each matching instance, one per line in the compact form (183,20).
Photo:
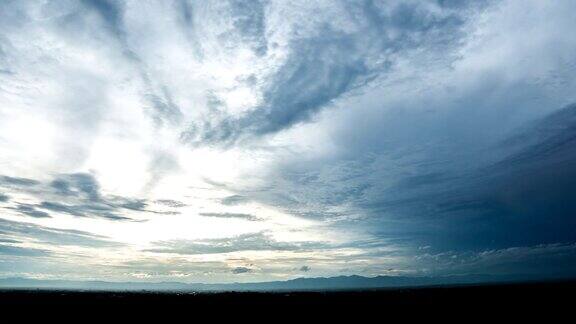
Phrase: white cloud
(314,121)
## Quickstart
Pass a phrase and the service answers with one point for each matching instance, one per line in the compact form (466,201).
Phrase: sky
(242,141)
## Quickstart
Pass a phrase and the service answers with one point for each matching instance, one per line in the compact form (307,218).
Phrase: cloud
(109,12)
(248,217)
(234,200)
(3,240)
(240,270)
(30,211)
(421,159)
(23,252)
(66,237)
(444,199)
(17,182)
(170,203)
(77,184)
(78,194)
(378,126)
(304,269)
(61,208)
(245,242)
(554,259)
(178,268)
(89,210)
(327,61)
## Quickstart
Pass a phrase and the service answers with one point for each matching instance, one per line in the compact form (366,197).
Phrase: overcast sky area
(239,141)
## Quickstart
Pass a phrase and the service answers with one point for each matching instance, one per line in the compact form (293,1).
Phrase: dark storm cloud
(246,242)
(552,260)
(521,197)
(550,138)
(527,197)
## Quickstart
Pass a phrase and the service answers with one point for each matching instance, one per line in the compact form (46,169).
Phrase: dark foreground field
(543,298)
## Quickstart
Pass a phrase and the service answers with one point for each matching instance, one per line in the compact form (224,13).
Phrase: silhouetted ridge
(322,283)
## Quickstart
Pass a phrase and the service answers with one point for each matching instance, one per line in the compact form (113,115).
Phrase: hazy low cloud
(234,200)
(23,252)
(170,203)
(245,242)
(305,268)
(239,270)
(248,217)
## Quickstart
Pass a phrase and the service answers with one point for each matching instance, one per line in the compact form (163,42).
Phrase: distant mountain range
(331,283)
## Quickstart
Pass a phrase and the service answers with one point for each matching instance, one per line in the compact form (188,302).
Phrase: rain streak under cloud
(236,141)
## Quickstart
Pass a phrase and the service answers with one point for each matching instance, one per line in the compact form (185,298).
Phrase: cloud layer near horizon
(255,140)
